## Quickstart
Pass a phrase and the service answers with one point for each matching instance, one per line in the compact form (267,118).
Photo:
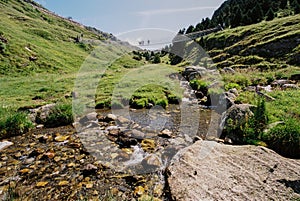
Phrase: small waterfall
(137,156)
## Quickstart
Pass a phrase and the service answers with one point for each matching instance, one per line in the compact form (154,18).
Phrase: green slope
(40,53)
(259,54)
(265,45)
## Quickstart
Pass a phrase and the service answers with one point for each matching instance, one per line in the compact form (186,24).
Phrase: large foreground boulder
(211,171)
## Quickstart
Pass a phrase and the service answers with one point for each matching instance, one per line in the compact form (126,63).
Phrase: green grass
(60,115)
(13,123)
(285,106)
(139,86)
(52,40)
(266,45)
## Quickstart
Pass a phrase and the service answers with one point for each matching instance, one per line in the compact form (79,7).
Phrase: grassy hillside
(40,53)
(260,54)
(265,51)
(266,45)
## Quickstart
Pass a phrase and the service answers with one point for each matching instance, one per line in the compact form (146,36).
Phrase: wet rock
(40,126)
(151,161)
(111,117)
(63,183)
(126,141)
(148,145)
(42,184)
(139,191)
(137,134)
(123,120)
(61,138)
(89,169)
(89,118)
(166,134)
(5,144)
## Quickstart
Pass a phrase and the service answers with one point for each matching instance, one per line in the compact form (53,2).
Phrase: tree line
(234,13)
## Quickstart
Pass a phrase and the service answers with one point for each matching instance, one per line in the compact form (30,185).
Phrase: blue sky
(123,16)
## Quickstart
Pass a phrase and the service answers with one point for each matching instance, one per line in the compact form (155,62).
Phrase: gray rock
(151,161)
(229,70)
(123,120)
(40,114)
(112,116)
(137,134)
(88,118)
(234,91)
(5,144)
(290,86)
(166,133)
(193,72)
(213,171)
(236,115)
(279,83)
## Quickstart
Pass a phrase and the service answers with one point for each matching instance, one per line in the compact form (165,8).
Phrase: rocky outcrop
(235,116)
(40,114)
(211,171)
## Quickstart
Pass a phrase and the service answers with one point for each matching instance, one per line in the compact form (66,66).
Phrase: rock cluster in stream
(67,164)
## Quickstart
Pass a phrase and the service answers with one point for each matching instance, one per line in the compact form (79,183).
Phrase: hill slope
(41,52)
(263,46)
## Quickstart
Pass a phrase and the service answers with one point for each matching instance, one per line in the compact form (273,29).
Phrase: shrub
(200,85)
(173,99)
(232,86)
(13,123)
(60,115)
(250,130)
(285,138)
(162,102)
(139,103)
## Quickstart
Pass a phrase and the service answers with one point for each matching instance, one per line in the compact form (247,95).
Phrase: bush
(232,86)
(162,102)
(13,123)
(200,85)
(173,99)
(250,130)
(60,115)
(139,103)
(103,104)
(285,138)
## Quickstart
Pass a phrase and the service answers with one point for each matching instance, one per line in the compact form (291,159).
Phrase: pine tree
(296,8)
(270,15)
(199,27)
(236,17)
(283,4)
(246,20)
(190,29)
(257,14)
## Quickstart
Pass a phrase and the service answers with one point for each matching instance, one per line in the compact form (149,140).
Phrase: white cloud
(173,10)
